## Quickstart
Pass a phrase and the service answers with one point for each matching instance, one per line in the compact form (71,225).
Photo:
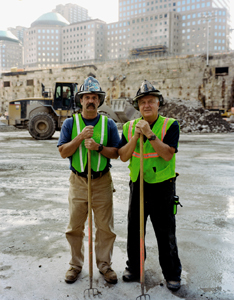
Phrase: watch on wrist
(100,148)
(152,138)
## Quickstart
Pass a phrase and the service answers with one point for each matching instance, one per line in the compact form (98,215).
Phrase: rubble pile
(193,117)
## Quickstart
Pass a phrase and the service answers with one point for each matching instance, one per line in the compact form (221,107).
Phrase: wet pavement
(34,215)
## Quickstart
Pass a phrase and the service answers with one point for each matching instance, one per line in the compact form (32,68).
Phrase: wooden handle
(142,238)
(90,220)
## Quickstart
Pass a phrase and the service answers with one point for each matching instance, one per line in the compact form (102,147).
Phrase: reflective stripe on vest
(100,135)
(80,147)
(101,141)
(154,154)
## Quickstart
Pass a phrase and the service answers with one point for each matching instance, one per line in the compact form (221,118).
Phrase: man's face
(148,106)
(90,102)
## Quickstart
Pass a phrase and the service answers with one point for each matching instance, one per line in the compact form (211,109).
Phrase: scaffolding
(150,50)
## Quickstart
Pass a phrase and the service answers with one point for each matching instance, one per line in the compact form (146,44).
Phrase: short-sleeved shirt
(171,138)
(66,133)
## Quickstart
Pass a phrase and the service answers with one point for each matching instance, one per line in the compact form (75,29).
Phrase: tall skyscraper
(144,35)
(72,12)
(42,41)
(83,41)
(204,25)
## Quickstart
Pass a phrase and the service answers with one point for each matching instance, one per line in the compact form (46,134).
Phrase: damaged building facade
(187,78)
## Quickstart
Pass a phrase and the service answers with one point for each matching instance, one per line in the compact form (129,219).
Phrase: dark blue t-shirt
(171,138)
(66,132)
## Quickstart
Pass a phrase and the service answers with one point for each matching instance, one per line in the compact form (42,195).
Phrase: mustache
(90,104)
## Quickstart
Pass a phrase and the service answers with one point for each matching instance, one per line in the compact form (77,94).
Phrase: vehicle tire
(41,126)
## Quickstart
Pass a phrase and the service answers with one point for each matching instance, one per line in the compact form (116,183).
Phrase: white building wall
(42,46)
(83,41)
(10,55)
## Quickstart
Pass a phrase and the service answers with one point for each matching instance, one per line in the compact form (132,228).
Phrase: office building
(10,51)
(144,32)
(42,41)
(83,41)
(51,41)
(145,28)
(136,8)
(202,23)
(72,12)
(205,26)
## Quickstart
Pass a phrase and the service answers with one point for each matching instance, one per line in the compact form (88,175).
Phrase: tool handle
(142,238)
(90,220)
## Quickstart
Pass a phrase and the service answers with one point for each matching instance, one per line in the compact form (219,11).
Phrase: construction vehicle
(42,116)
(228,113)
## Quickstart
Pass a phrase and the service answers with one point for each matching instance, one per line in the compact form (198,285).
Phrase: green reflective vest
(100,136)
(156,169)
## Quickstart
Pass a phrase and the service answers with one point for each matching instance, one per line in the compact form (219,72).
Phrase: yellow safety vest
(100,136)
(156,169)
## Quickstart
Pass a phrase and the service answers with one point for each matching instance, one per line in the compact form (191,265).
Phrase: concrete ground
(34,216)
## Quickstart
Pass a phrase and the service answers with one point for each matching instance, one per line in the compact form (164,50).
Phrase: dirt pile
(193,117)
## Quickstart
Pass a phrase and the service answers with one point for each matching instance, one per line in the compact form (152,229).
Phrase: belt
(93,176)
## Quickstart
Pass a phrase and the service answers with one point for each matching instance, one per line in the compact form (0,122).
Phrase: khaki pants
(102,206)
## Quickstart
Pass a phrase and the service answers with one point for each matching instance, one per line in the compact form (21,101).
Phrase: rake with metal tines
(91,291)
(142,235)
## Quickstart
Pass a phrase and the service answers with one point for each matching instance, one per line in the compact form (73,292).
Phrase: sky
(24,12)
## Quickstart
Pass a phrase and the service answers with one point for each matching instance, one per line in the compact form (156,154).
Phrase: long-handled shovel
(91,291)
(142,234)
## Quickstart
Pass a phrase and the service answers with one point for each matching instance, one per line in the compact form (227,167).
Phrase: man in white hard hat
(90,130)
(161,137)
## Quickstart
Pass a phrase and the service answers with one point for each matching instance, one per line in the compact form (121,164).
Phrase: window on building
(29,82)
(6,84)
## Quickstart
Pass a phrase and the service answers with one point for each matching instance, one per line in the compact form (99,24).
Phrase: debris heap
(193,117)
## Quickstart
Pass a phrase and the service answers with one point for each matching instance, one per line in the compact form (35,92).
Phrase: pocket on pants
(72,178)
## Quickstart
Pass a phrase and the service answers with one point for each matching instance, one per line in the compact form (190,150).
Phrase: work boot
(173,285)
(130,276)
(72,275)
(109,275)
